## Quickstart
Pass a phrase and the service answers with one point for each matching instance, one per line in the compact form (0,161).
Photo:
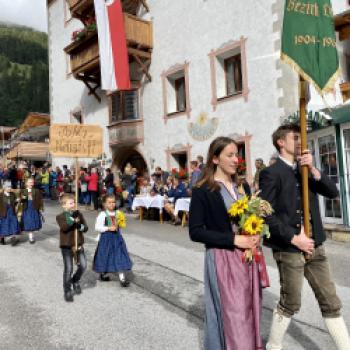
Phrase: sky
(31,13)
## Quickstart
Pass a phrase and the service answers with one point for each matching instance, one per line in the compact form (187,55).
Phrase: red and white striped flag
(114,61)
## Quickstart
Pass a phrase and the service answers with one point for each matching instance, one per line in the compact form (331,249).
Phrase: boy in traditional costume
(69,221)
(297,255)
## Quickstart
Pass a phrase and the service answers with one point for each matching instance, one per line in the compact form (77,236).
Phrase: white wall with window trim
(203,27)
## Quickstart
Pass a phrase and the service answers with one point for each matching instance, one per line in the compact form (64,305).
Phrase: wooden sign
(76,140)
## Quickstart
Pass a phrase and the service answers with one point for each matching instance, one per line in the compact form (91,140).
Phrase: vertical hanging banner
(114,59)
(309,42)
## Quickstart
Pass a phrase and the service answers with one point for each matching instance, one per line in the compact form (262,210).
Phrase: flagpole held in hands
(303,96)
(309,47)
(75,249)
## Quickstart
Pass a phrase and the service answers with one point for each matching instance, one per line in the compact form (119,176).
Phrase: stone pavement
(163,308)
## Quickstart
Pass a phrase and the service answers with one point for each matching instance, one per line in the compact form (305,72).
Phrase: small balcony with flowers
(84,48)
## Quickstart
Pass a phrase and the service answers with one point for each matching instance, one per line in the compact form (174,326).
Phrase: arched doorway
(123,156)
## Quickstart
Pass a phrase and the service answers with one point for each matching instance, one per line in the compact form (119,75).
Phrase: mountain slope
(24,80)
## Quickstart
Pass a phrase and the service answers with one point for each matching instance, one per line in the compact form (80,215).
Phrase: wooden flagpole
(76,208)
(303,96)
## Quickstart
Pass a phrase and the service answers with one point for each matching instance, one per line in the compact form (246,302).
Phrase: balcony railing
(345,90)
(84,54)
(126,132)
(138,31)
(83,8)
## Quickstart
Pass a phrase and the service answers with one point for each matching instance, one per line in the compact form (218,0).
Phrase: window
(181,160)
(180,92)
(329,166)
(178,157)
(125,106)
(176,91)
(229,73)
(233,75)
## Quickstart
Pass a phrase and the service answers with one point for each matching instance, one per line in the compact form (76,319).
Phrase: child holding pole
(71,244)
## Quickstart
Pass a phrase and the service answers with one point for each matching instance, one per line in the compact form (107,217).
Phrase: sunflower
(253,225)
(121,220)
(239,207)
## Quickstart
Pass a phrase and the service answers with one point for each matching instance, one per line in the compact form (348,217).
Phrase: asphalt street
(162,308)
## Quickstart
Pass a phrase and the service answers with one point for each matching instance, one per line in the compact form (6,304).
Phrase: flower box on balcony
(84,53)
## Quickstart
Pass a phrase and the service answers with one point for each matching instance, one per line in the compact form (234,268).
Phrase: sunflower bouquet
(120,219)
(249,215)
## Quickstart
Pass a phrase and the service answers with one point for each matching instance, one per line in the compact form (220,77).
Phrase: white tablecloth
(149,202)
(182,204)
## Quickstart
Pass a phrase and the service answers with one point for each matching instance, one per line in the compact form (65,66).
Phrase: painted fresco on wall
(204,127)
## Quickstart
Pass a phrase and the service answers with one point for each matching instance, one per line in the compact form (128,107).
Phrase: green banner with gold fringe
(309,42)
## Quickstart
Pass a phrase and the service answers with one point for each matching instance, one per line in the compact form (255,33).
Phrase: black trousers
(67,256)
(94,199)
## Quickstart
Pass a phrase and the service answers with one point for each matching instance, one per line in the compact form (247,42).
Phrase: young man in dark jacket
(296,254)
(68,221)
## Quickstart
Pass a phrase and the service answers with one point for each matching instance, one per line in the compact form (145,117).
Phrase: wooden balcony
(138,31)
(84,53)
(83,9)
(342,25)
(345,90)
(125,133)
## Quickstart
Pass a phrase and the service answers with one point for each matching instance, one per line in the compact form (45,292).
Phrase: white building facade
(214,69)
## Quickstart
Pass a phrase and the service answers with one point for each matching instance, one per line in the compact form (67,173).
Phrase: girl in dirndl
(111,253)
(32,201)
(232,287)
(9,226)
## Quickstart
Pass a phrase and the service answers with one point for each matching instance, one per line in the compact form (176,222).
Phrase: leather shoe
(77,288)
(14,241)
(68,296)
(124,283)
(104,278)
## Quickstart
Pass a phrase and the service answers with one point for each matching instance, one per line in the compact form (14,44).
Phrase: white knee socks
(338,331)
(278,329)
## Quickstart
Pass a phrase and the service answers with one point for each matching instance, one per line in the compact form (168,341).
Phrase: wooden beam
(92,90)
(344,32)
(88,78)
(143,67)
(140,53)
(144,4)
